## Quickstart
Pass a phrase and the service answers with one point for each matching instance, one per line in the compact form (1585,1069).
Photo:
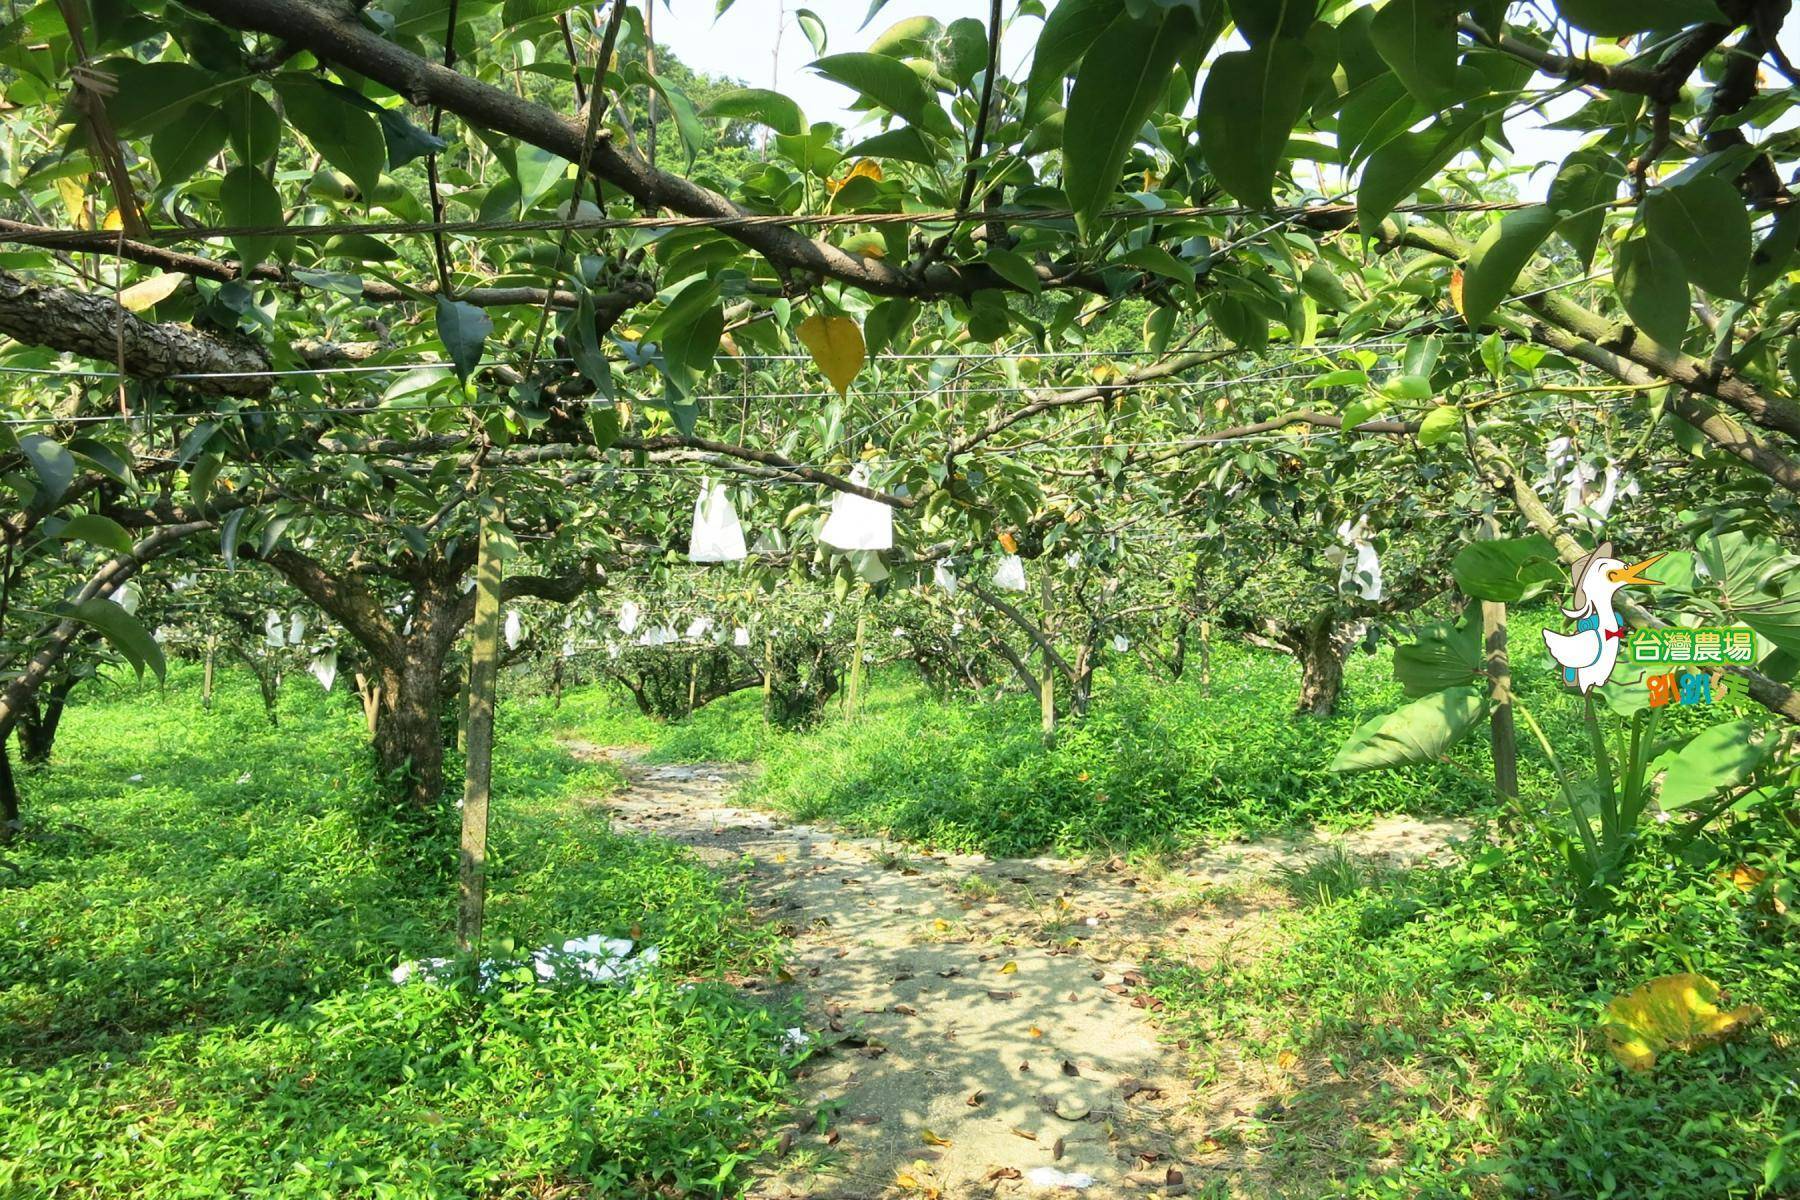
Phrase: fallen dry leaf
(1024,1133)
(975,1099)
(999,1173)
(1011,968)
(994,995)
(932,1139)
(1056,1150)
(1069,1068)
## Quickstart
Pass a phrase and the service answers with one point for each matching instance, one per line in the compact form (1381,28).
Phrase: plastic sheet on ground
(592,959)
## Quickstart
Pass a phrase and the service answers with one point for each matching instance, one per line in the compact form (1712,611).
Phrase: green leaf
(517,12)
(890,84)
(181,148)
(1418,39)
(1068,31)
(902,142)
(687,121)
(1260,20)
(909,37)
(1653,288)
(1248,108)
(463,329)
(1120,82)
(1422,731)
(1158,261)
(813,27)
(247,198)
(1408,162)
(150,95)
(54,465)
(95,530)
(536,171)
(1015,268)
(760,105)
(1712,760)
(1440,425)
(1588,180)
(1617,18)
(1771,259)
(1445,656)
(121,630)
(1704,224)
(345,133)
(1507,570)
(1500,256)
(254,127)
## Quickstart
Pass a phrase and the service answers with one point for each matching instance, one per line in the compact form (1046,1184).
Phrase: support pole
(768,676)
(693,683)
(484,669)
(206,686)
(1205,656)
(1499,673)
(1047,689)
(856,663)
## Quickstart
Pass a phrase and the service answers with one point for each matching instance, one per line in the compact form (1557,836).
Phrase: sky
(760,42)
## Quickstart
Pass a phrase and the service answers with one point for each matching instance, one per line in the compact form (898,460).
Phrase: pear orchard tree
(301,287)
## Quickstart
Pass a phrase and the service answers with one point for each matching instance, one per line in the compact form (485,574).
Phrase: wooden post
(1047,689)
(1205,655)
(484,669)
(856,663)
(768,675)
(206,686)
(1499,671)
(693,682)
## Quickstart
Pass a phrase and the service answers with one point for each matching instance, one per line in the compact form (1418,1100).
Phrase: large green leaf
(182,147)
(1703,223)
(1617,18)
(463,329)
(122,631)
(1417,38)
(1757,582)
(1586,183)
(1068,31)
(1500,255)
(1654,290)
(1416,733)
(1712,760)
(1507,569)
(891,84)
(760,105)
(343,131)
(1122,79)
(247,198)
(1445,656)
(54,465)
(1408,162)
(1248,108)
(95,530)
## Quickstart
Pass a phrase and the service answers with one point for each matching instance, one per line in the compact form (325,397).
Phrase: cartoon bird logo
(1589,654)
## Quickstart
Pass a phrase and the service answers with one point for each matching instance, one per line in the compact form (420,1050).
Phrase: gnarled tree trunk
(1320,645)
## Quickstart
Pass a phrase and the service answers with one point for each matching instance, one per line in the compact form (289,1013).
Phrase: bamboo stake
(768,675)
(1503,734)
(1047,689)
(484,669)
(856,663)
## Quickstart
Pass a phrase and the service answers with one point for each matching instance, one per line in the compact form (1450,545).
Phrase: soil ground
(982,1024)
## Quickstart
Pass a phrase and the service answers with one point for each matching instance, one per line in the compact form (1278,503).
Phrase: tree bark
(1320,649)
(38,725)
(9,798)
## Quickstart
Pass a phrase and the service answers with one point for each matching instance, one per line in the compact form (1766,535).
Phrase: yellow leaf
(1675,1012)
(836,345)
(147,293)
(932,1139)
(113,220)
(74,198)
(866,168)
(1456,290)
(868,244)
(1035,1032)
(1008,543)
(1286,1059)
(1011,968)
(1745,877)
(941,925)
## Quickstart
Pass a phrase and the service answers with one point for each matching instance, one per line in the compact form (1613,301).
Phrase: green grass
(193,979)
(1439,1030)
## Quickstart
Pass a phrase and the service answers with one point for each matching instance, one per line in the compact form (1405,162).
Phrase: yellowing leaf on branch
(836,345)
(866,168)
(1456,291)
(147,293)
(867,243)
(1674,1012)
(74,199)
(1008,543)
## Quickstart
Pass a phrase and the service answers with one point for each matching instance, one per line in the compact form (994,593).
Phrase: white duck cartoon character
(1589,654)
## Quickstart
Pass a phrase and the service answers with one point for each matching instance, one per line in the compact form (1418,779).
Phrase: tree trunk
(409,727)
(9,798)
(1321,654)
(38,723)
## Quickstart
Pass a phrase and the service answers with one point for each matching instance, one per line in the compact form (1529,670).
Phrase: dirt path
(983,1024)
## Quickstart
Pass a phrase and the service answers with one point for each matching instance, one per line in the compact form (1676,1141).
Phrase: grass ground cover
(193,976)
